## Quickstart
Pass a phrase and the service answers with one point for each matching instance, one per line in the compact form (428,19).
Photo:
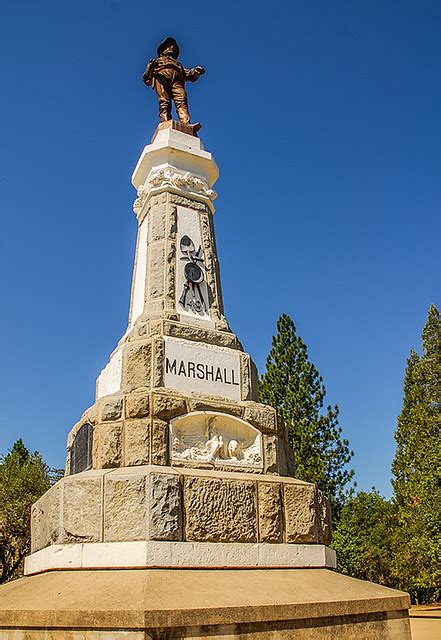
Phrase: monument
(179,515)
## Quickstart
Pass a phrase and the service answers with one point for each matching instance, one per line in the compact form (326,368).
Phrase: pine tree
(24,477)
(416,467)
(294,387)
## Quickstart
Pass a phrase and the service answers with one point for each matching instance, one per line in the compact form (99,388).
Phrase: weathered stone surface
(173,223)
(136,442)
(199,334)
(158,363)
(300,513)
(188,202)
(107,445)
(245,376)
(254,381)
(168,405)
(270,512)
(219,510)
(155,327)
(159,448)
(124,507)
(82,508)
(111,408)
(324,522)
(165,507)
(270,453)
(137,404)
(261,416)
(46,519)
(90,415)
(156,270)
(158,216)
(232,408)
(137,365)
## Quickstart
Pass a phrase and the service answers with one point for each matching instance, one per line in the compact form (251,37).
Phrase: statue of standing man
(168,76)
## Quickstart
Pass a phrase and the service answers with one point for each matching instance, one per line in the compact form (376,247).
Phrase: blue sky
(324,119)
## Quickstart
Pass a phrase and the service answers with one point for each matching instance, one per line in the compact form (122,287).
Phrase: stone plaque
(196,367)
(81,452)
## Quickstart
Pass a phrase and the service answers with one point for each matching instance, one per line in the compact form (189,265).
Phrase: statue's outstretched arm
(193,74)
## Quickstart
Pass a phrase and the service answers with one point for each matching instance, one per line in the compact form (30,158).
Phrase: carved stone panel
(193,299)
(208,436)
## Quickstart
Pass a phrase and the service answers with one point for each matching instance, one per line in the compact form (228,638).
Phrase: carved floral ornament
(172,177)
(209,436)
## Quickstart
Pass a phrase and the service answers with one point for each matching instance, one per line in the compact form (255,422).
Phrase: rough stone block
(219,510)
(107,445)
(124,507)
(111,408)
(261,416)
(270,512)
(168,405)
(46,519)
(156,270)
(158,216)
(159,446)
(324,521)
(82,508)
(137,366)
(232,408)
(137,404)
(270,453)
(90,415)
(158,363)
(254,382)
(198,334)
(165,507)
(136,442)
(300,513)
(245,376)
(171,274)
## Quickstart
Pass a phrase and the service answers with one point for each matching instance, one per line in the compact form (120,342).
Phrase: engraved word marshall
(201,371)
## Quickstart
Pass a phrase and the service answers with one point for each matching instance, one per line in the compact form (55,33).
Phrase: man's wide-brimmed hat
(168,42)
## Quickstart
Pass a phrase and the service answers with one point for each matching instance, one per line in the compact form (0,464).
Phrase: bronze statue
(168,76)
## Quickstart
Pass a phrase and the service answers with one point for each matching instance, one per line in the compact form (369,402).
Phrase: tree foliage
(24,477)
(416,468)
(294,387)
(397,542)
(362,538)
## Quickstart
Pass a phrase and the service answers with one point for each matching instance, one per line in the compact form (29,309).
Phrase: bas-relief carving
(193,299)
(204,436)
(192,296)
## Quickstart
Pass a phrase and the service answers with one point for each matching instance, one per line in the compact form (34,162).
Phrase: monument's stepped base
(306,604)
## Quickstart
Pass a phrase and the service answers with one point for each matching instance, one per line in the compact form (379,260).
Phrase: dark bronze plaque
(81,452)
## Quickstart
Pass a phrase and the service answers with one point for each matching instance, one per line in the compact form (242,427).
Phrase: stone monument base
(161,604)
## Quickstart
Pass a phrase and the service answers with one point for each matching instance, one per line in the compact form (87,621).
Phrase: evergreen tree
(24,477)
(293,386)
(416,467)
